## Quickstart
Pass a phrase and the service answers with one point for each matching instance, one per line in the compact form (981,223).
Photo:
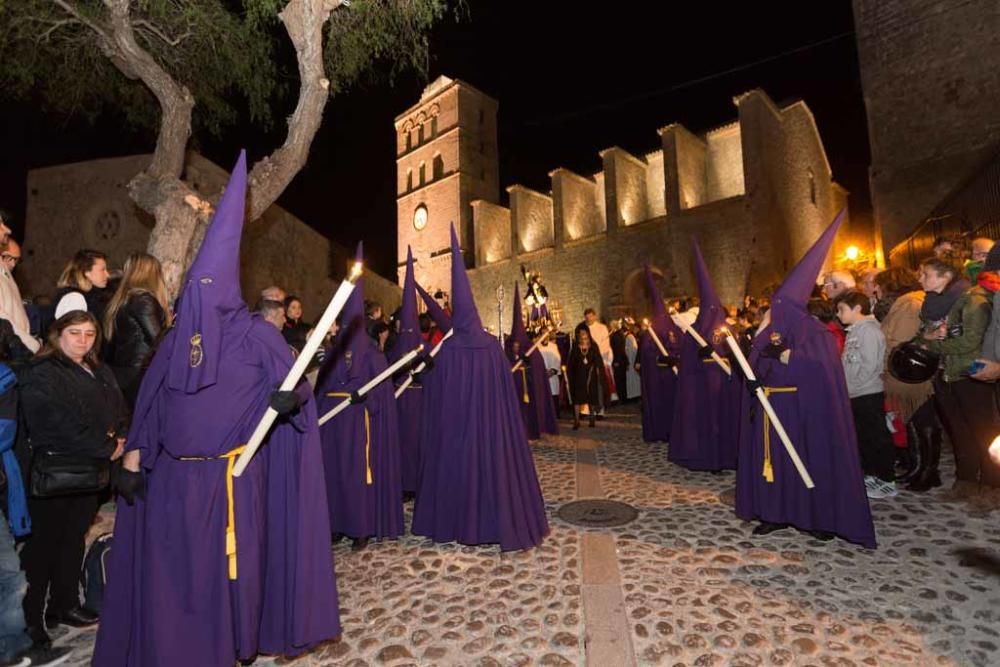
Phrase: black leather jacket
(138,325)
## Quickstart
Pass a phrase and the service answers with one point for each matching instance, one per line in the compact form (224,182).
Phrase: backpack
(95,574)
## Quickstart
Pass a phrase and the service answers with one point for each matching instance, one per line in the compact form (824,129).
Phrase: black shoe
(51,620)
(336,537)
(78,617)
(765,528)
(821,535)
(47,657)
(39,638)
(408,496)
(359,543)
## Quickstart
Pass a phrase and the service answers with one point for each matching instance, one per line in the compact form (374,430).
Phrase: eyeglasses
(10,258)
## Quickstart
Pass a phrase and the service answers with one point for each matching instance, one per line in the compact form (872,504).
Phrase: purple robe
(361,444)
(809,396)
(410,404)
(705,430)
(169,600)
(659,383)
(478,483)
(531,381)
(818,419)
(175,594)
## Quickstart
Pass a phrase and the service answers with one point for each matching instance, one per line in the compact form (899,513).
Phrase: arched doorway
(638,301)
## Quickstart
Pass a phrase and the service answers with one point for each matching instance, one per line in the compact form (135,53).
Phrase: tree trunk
(181,217)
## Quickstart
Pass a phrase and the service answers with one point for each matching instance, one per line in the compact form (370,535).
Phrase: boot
(910,460)
(593,420)
(576,421)
(927,476)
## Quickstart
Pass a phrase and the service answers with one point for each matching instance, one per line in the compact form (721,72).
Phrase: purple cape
(478,483)
(361,444)
(659,383)
(816,414)
(706,422)
(169,597)
(531,382)
(410,404)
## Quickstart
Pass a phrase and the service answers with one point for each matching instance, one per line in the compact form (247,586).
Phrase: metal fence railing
(971,211)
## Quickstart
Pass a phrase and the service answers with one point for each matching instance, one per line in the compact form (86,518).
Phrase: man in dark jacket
(619,359)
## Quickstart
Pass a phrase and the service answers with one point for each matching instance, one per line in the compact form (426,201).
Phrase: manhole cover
(596,513)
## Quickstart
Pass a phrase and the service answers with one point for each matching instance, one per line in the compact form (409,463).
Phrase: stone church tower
(446,157)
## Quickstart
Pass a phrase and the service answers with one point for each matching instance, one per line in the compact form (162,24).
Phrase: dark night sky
(571,78)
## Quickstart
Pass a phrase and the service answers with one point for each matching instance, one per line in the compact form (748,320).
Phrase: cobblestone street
(683,584)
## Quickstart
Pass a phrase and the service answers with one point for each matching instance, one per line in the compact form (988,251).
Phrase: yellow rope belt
(768,468)
(368,436)
(524,383)
(230,457)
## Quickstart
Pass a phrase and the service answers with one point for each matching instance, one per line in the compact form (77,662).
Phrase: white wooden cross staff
(541,339)
(659,343)
(769,409)
(333,309)
(690,330)
(374,382)
(419,369)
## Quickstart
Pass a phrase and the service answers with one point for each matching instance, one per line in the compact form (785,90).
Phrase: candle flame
(355,272)
(645,321)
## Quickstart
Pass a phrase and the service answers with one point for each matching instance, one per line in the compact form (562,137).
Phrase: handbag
(54,474)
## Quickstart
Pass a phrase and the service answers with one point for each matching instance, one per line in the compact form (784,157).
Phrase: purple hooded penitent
(410,404)
(809,395)
(176,595)
(478,483)
(659,383)
(706,430)
(531,382)
(361,444)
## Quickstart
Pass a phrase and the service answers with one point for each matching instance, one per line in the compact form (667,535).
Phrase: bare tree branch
(175,100)
(149,27)
(304,21)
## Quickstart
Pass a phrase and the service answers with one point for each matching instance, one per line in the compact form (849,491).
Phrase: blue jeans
(13,638)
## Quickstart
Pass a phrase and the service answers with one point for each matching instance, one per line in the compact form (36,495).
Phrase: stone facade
(86,205)
(931,77)
(755,194)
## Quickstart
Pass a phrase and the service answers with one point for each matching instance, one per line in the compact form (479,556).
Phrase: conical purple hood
(517,331)
(464,316)
(801,280)
(210,299)
(434,310)
(710,308)
(661,320)
(409,321)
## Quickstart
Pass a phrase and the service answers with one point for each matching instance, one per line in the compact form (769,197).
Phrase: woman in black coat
(586,376)
(134,322)
(72,410)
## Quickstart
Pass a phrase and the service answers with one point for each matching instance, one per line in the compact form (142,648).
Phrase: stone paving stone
(698,589)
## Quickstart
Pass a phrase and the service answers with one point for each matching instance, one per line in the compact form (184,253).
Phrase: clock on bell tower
(446,158)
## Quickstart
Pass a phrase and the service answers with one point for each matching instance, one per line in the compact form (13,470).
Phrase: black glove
(524,361)
(357,398)
(773,351)
(284,402)
(753,386)
(705,352)
(666,360)
(426,359)
(553,372)
(130,485)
